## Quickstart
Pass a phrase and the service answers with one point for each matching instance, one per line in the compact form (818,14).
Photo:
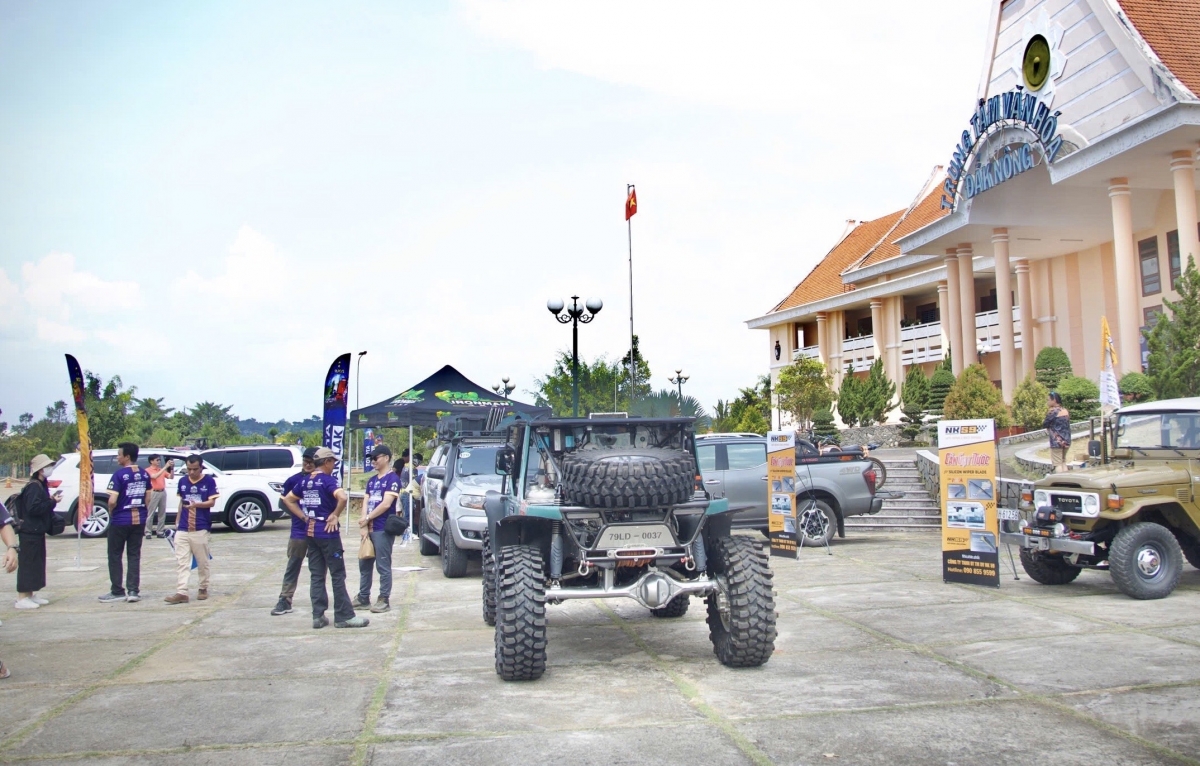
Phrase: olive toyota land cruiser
(614,507)
(1135,513)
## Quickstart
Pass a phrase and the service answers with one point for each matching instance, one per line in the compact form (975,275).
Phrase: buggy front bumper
(1049,544)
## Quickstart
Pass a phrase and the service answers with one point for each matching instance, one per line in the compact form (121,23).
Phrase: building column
(1029,347)
(878,327)
(837,334)
(893,363)
(1183,168)
(943,302)
(966,294)
(1004,307)
(953,311)
(1125,256)
(823,338)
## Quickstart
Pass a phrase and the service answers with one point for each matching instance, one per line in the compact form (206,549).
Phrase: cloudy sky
(213,200)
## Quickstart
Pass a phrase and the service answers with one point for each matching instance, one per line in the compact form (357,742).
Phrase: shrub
(823,423)
(875,396)
(1136,387)
(914,397)
(1051,366)
(752,422)
(939,385)
(974,396)
(849,402)
(1030,403)
(1080,396)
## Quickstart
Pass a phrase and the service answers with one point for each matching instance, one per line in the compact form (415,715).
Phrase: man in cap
(323,501)
(382,491)
(298,541)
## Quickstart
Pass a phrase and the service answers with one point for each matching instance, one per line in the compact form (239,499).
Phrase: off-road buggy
(613,507)
(1133,511)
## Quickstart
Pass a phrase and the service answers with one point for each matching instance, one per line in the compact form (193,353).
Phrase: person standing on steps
(36,513)
(156,503)
(127,523)
(197,495)
(1058,426)
(323,502)
(298,541)
(383,490)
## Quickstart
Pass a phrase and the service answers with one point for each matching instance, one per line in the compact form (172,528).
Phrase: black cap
(309,452)
(382,449)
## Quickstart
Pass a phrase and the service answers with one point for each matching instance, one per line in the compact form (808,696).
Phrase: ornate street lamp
(504,388)
(574,314)
(679,380)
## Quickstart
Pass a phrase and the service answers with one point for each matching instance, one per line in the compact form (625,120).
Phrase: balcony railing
(987,329)
(858,351)
(921,343)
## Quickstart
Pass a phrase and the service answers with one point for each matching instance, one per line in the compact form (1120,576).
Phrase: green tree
(804,387)
(752,421)
(1052,365)
(108,406)
(722,422)
(1136,387)
(876,397)
(1174,342)
(823,424)
(1030,403)
(974,396)
(665,404)
(600,386)
(1080,396)
(57,412)
(939,386)
(914,397)
(756,397)
(849,399)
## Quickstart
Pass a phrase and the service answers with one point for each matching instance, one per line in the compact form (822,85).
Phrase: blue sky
(215,199)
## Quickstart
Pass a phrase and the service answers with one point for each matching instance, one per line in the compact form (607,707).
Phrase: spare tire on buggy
(628,478)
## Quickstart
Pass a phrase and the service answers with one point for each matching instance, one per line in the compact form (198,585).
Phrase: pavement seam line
(1129,736)
(20,735)
(379,696)
(691,694)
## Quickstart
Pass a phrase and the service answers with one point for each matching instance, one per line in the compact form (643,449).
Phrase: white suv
(275,461)
(247,500)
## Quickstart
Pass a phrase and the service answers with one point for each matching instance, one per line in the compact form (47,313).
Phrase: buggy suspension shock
(556,550)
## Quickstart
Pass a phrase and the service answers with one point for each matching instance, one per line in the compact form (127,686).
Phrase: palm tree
(665,403)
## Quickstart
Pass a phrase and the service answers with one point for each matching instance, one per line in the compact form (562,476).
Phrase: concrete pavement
(877,662)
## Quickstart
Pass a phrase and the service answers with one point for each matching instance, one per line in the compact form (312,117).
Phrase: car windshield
(476,461)
(1159,430)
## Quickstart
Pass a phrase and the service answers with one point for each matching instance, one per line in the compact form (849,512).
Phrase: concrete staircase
(915,510)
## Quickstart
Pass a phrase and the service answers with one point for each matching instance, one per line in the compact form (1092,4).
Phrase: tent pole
(412,477)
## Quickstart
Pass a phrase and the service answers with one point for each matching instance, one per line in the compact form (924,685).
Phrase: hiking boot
(132,596)
(353,622)
(282,607)
(176,598)
(202,595)
(110,597)
(320,622)
(380,605)
(360,601)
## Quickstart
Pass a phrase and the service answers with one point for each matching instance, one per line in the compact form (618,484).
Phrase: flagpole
(632,348)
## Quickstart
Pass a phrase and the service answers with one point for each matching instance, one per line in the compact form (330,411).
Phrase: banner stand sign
(337,381)
(86,486)
(781,492)
(970,530)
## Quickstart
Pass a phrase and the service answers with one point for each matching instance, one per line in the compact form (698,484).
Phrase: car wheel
(676,608)
(1048,569)
(245,514)
(489,581)
(1145,561)
(427,548)
(97,523)
(454,559)
(819,528)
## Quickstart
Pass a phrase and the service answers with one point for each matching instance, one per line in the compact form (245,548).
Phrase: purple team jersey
(317,500)
(131,484)
(291,486)
(376,487)
(195,519)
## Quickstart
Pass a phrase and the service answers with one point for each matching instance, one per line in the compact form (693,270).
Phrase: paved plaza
(877,662)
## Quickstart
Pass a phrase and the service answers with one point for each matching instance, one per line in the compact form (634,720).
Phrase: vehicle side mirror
(436,472)
(506,458)
(1094,448)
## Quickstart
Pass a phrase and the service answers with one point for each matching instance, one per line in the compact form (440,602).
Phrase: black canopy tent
(445,392)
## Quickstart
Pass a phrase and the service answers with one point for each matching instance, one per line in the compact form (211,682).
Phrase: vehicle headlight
(471,501)
(275,486)
(1091,503)
(1040,498)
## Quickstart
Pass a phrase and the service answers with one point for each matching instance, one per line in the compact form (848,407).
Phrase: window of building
(1173,256)
(988,302)
(1148,254)
(1150,315)
(928,313)
(864,326)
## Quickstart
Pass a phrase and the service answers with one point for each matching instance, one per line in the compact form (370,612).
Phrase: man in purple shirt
(298,542)
(323,501)
(127,490)
(197,495)
(382,491)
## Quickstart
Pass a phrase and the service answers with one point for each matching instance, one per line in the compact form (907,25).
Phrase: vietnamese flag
(631,203)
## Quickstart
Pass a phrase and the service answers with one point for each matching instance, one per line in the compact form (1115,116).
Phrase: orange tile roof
(923,213)
(825,280)
(1172,29)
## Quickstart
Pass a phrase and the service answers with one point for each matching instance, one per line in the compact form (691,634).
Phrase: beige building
(1068,196)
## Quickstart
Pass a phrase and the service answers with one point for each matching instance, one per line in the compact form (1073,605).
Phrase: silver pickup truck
(734,466)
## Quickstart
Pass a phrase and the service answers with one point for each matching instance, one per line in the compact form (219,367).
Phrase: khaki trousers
(1058,458)
(188,544)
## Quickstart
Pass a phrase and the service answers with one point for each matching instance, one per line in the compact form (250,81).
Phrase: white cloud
(57,332)
(59,303)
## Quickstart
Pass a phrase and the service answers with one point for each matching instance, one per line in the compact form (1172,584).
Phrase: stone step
(910,512)
(894,527)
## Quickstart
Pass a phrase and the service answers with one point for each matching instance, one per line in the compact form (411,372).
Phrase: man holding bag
(379,524)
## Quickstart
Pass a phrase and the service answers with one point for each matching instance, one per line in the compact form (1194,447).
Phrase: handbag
(395,525)
(366,549)
(57,524)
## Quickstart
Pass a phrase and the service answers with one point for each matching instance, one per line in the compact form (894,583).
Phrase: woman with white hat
(37,511)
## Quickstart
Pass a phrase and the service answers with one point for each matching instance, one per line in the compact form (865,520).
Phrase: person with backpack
(36,506)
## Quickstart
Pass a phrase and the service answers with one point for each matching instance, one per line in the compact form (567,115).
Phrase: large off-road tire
(814,536)
(1048,569)
(489,581)
(1145,561)
(520,614)
(427,547)
(1190,548)
(628,478)
(741,612)
(677,607)
(454,559)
